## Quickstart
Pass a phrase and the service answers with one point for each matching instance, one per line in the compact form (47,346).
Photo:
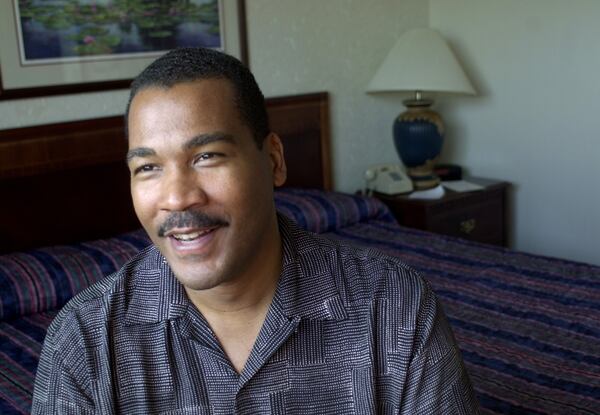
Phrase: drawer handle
(468,226)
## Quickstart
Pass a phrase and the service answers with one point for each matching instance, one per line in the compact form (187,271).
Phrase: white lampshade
(421,60)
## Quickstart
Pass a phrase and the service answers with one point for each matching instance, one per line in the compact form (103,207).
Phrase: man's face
(200,186)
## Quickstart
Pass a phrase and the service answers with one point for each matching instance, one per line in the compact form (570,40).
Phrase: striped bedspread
(528,326)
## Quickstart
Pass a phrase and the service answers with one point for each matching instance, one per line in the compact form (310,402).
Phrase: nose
(181,190)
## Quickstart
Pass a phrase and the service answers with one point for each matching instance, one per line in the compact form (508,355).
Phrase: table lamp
(421,61)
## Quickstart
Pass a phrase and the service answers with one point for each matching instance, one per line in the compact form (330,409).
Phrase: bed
(528,326)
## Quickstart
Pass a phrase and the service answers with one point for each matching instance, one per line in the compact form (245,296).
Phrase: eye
(206,157)
(145,168)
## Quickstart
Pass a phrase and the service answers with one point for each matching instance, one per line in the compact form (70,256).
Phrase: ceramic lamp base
(418,137)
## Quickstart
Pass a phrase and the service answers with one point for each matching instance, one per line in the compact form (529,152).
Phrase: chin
(198,284)
(197,277)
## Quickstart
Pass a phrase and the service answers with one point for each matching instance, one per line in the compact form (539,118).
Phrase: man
(234,309)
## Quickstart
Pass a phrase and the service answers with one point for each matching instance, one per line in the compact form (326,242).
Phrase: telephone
(387,178)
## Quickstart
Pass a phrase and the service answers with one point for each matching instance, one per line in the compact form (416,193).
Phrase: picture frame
(70,76)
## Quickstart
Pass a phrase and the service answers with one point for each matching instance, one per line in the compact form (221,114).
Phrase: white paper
(429,194)
(461,186)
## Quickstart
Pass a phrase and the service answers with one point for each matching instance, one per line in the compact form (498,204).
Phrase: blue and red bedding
(528,326)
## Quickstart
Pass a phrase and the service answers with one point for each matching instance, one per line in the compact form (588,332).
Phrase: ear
(275,152)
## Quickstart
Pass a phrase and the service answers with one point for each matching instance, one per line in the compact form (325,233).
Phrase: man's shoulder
(361,273)
(104,300)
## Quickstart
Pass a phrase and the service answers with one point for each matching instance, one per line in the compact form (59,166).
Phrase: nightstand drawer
(482,222)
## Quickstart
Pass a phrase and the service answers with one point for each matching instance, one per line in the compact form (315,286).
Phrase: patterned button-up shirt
(349,331)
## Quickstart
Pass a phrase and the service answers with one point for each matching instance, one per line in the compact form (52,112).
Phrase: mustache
(189,219)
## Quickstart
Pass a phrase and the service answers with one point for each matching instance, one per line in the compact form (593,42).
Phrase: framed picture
(50,47)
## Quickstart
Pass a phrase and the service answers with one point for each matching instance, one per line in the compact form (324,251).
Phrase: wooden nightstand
(477,216)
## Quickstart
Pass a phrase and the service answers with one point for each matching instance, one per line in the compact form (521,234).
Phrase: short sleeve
(437,381)
(57,389)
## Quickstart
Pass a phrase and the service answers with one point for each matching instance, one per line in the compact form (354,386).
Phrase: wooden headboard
(68,182)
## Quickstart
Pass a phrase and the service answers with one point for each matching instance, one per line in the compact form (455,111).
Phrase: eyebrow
(194,142)
(204,139)
(139,152)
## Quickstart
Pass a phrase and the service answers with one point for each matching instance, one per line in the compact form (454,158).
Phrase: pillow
(46,278)
(322,211)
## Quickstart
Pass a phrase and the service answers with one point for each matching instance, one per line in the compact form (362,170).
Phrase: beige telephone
(387,178)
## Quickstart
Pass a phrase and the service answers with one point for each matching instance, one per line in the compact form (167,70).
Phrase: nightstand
(478,216)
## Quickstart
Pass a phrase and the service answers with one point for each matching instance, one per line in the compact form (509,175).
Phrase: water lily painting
(84,29)
(64,46)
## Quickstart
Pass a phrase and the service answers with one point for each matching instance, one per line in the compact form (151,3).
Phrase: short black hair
(191,64)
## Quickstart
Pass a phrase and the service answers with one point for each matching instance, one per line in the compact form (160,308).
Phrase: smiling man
(234,309)
(202,185)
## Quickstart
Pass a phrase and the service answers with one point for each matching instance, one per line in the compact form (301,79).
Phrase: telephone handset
(387,178)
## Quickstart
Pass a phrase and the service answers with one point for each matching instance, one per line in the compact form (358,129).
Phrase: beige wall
(36,111)
(536,122)
(336,46)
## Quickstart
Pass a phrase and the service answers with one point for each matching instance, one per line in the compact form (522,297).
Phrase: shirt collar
(307,285)
(156,294)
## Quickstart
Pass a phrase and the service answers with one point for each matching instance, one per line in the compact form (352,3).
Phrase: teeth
(189,236)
